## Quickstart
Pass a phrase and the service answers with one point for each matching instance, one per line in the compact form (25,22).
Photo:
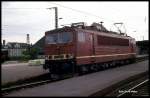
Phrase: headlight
(46,57)
(69,56)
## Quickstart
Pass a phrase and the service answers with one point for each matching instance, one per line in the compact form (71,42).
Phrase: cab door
(91,47)
(84,48)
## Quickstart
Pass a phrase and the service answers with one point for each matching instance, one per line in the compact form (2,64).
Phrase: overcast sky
(21,18)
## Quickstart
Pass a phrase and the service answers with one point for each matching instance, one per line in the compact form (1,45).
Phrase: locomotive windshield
(63,37)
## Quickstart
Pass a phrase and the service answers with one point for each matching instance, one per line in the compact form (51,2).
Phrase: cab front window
(63,37)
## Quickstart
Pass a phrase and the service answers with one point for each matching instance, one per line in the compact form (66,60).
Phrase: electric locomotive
(80,48)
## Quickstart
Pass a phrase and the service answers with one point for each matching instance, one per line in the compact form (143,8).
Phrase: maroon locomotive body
(81,48)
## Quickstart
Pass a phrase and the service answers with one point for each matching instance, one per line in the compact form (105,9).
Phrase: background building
(142,47)
(15,49)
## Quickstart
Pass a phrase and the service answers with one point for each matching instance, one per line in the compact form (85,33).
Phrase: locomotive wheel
(89,68)
(120,63)
(110,64)
(103,66)
(100,67)
(80,70)
(93,68)
(96,67)
(116,63)
(126,61)
(113,64)
(106,65)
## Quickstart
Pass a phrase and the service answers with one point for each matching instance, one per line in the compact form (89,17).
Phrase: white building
(16,49)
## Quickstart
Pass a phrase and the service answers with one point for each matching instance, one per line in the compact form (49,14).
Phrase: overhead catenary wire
(76,10)
(79,11)
(89,14)
(83,12)
(23,8)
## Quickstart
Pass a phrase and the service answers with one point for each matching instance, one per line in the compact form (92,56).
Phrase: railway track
(138,59)
(133,86)
(136,87)
(141,89)
(30,84)
(35,81)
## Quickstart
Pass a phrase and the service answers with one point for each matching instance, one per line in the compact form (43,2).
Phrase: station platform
(85,85)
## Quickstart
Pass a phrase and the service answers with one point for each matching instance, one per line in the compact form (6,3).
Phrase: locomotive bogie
(60,66)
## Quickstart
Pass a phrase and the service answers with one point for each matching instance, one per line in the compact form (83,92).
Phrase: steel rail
(23,85)
(133,87)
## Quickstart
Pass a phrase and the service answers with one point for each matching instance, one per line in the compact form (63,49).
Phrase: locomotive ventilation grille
(58,57)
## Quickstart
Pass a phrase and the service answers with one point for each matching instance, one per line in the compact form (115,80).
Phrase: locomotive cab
(59,51)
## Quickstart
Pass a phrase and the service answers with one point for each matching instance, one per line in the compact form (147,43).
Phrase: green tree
(31,53)
(26,55)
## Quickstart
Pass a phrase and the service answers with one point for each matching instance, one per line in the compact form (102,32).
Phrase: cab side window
(81,36)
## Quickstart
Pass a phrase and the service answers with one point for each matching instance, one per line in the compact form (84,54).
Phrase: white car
(36,62)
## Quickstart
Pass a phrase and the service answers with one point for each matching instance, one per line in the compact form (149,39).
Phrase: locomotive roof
(97,28)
